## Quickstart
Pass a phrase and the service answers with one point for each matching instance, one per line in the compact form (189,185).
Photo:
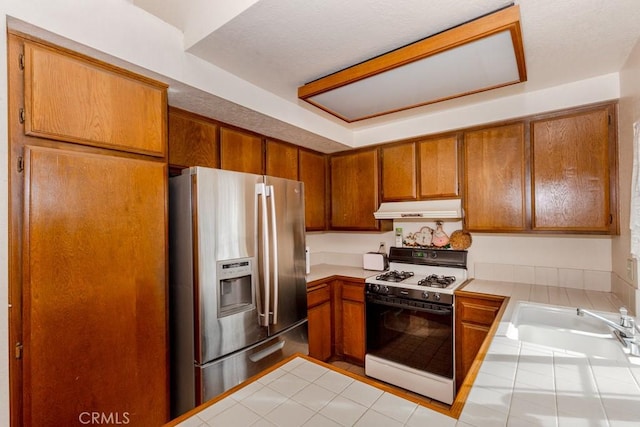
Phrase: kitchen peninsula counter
(524,384)
(518,383)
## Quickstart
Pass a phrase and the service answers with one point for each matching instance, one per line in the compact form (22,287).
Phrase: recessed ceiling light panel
(480,55)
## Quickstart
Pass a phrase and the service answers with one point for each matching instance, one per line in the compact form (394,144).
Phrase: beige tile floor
(304,393)
(359,371)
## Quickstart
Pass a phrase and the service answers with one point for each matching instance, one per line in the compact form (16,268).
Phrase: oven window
(421,340)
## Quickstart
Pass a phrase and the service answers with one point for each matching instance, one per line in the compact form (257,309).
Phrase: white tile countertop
(322,271)
(523,384)
(518,384)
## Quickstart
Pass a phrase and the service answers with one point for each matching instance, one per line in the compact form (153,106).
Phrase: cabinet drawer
(478,311)
(353,292)
(318,295)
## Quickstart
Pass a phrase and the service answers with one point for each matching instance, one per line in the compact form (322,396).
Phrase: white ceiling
(281,44)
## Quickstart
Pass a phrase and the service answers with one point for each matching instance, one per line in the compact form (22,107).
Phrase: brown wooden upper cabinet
(438,163)
(398,172)
(312,171)
(494,169)
(426,169)
(573,158)
(193,140)
(91,103)
(241,151)
(354,190)
(281,160)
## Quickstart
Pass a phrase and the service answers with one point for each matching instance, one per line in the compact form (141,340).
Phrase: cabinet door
(282,160)
(399,172)
(312,172)
(353,321)
(495,179)
(571,172)
(438,167)
(240,151)
(474,318)
(471,336)
(320,327)
(94,287)
(354,190)
(193,140)
(69,98)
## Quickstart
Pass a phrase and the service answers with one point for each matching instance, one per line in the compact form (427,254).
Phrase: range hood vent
(425,209)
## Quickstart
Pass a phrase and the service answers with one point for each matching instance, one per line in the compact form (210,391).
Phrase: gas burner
(436,281)
(395,276)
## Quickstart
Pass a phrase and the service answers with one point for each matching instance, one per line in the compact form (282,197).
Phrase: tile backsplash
(593,280)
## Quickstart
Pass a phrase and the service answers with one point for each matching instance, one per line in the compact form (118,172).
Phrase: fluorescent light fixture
(479,55)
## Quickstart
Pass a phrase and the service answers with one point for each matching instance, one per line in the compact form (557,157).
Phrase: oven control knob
(380,289)
(425,295)
(436,296)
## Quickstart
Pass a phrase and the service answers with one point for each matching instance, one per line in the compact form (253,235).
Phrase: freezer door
(227,262)
(220,376)
(288,282)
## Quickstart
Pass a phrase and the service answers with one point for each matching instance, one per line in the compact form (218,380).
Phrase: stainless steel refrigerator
(237,279)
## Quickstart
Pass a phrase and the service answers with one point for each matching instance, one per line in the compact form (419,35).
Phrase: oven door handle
(440,311)
(444,311)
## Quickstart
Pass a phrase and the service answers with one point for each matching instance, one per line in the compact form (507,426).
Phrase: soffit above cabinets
(480,55)
(262,51)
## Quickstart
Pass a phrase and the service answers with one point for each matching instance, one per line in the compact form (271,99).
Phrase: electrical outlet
(382,248)
(630,269)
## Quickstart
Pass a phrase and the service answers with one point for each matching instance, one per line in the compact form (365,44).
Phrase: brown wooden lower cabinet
(352,320)
(475,314)
(336,313)
(320,325)
(337,324)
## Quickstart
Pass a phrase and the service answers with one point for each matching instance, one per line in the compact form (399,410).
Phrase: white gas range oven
(410,320)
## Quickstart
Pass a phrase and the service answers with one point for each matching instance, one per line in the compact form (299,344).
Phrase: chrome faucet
(625,330)
(626,327)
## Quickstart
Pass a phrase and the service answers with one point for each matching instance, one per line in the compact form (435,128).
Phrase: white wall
(629,113)
(519,258)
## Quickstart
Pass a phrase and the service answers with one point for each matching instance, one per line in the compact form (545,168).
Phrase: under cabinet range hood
(424,209)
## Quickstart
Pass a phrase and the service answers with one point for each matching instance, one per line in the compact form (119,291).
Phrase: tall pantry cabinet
(88,240)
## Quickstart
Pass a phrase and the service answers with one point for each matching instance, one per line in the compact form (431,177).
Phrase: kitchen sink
(561,328)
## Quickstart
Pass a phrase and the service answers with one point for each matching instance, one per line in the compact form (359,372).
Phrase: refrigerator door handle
(274,240)
(263,317)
